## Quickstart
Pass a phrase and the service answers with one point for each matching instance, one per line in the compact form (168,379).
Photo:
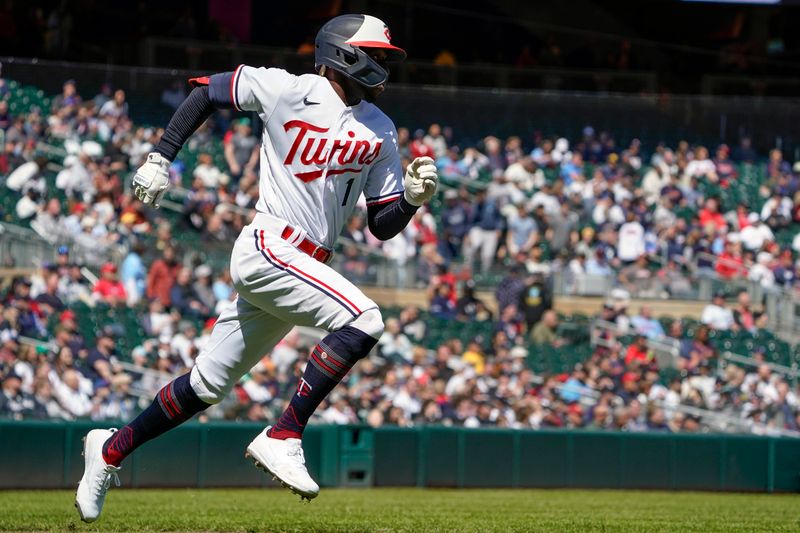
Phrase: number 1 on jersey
(347,192)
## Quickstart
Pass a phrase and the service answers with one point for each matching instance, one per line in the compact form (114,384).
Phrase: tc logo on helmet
(386,32)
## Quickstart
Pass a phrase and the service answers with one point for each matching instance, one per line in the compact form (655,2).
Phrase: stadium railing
(607,334)
(792,373)
(23,246)
(667,351)
(710,420)
(780,304)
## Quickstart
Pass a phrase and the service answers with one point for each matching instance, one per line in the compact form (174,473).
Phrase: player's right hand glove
(152,179)
(420,181)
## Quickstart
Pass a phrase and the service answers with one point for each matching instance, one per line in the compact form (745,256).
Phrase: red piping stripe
(196,82)
(331,359)
(334,291)
(329,369)
(376,44)
(385,200)
(233,80)
(165,403)
(171,400)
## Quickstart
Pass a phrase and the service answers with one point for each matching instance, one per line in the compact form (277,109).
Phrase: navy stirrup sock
(329,363)
(173,405)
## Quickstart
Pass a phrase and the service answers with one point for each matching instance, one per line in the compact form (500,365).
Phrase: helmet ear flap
(352,62)
(338,45)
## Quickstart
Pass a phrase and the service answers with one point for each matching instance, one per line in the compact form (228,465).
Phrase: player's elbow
(382,233)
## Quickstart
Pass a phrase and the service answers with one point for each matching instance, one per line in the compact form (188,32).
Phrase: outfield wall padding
(48,455)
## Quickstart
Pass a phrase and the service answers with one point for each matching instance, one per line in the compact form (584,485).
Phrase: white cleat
(97,475)
(284,460)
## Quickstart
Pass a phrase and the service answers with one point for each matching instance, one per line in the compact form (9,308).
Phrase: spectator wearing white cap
(203,286)
(74,179)
(185,343)
(561,148)
(761,272)
(658,177)
(754,236)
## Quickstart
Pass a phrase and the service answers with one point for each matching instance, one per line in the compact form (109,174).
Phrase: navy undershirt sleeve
(190,115)
(387,220)
(220,90)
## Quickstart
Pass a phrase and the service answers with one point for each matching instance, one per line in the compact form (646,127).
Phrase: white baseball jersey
(318,154)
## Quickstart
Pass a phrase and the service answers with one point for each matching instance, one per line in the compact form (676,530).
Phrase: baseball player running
(324,143)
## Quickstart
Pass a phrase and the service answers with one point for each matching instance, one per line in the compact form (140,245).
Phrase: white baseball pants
(278,287)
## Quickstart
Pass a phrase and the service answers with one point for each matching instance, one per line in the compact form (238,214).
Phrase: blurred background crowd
(638,50)
(131,294)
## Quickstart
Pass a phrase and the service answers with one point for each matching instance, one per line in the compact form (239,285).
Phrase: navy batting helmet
(339,42)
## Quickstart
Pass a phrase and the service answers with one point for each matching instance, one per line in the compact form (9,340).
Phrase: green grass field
(406,510)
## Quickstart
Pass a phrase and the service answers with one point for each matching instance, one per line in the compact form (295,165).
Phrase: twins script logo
(314,151)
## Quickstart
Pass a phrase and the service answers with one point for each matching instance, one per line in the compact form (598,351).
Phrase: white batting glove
(152,179)
(420,181)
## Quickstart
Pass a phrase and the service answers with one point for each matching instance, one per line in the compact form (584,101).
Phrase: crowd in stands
(490,380)
(527,209)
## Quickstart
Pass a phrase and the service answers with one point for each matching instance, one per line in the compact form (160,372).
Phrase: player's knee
(205,389)
(370,322)
(355,339)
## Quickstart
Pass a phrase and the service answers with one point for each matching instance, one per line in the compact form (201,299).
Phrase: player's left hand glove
(152,179)
(420,181)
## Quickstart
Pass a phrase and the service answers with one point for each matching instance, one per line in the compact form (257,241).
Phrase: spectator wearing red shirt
(424,228)
(637,351)
(418,146)
(443,276)
(161,277)
(743,217)
(109,288)
(730,263)
(710,215)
